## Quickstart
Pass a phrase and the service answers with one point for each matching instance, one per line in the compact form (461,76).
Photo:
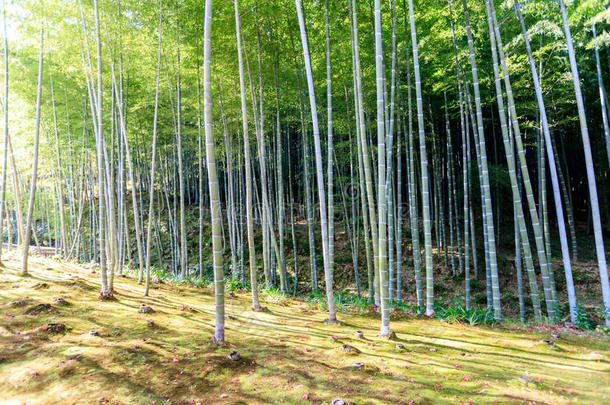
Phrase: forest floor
(111,353)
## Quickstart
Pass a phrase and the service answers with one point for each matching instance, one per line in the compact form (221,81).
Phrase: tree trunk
(219,333)
(423,157)
(151,189)
(319,172)
(30,213)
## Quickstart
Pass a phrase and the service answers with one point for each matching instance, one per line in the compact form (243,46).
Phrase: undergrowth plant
(235,284)
(275,295)
(348,302)
(344,301)
(457,312)
(583,319)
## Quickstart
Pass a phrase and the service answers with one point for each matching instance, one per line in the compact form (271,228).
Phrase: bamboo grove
(314,146)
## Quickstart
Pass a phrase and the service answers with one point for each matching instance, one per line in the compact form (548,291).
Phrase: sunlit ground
(287,353)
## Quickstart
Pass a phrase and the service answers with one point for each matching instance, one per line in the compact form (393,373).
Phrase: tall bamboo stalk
(319,172)
(151,188)
(556,192)
(215,208)
(486,195)
(6,134)
(329,166)
(592,183)
(30,213)
(381,161)
(423,157)
(247,164)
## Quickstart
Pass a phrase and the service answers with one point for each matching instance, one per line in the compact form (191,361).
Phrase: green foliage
(480,298)
(558,309)
(198,282)
(580,275)
(401,305)
(349,302)
(584,320)
(275,295)
(458,313)
(235,284)
(344,302)
(162,274)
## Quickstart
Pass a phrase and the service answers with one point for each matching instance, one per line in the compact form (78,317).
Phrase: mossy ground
(288,353)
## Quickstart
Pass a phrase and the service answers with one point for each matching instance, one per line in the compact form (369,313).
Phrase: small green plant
(583,319)
(200,282)
(344,302)
(581,275)
(235,284)
(558,310)
(480,316)
(457,312)
(275,295)
(402,305)
(453,313)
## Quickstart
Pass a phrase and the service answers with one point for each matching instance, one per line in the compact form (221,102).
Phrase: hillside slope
(111,353)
